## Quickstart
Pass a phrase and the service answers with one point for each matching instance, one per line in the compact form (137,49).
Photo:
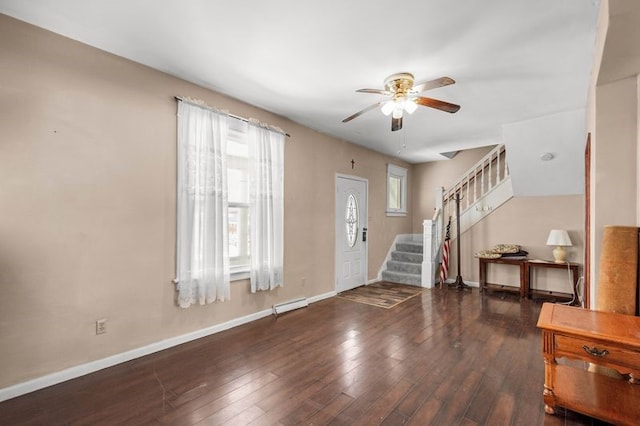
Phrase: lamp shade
(558,238)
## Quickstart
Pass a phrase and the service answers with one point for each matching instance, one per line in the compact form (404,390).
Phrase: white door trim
(365,225)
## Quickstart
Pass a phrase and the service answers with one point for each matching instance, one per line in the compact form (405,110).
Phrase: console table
(569,267)
(525,266)
(520,263)
(602,338)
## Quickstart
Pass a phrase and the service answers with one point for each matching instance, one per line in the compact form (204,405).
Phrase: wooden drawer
(566,332)
(608,354)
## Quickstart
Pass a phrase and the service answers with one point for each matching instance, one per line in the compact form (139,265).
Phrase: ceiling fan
(404,97)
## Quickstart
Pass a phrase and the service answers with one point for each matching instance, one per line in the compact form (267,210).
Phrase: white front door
(351,224)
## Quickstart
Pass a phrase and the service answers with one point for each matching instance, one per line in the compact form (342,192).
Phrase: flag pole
(444,267)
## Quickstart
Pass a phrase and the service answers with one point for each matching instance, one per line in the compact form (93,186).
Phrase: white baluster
(479,178)
(468,188)
(475,186)
(498,180)
(482,181)
(490,174)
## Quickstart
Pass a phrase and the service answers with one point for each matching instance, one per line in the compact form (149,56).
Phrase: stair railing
(479,180)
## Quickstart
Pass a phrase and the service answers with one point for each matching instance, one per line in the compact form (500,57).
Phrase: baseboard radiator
(290,305)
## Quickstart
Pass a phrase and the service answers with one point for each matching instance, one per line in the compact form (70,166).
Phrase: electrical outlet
(101,326)
(304,282)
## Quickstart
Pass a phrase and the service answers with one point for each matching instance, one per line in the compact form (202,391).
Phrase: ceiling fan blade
(359,113)
(433,84)
(375,91)
(396,123)
(437,104)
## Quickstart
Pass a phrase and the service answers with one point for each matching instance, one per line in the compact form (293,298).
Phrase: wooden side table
(602,338)
(573,267)
(520,263)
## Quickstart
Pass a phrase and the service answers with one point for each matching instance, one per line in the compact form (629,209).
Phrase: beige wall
(87,165)
(601,35)
(525,221)
(614,155)
(429,176)
(522,220)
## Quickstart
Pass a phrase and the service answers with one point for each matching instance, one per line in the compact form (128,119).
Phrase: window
(351,221)
(396,190)
(230,190)
(238,197)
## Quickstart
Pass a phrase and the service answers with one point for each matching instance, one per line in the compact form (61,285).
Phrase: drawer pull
(594,351)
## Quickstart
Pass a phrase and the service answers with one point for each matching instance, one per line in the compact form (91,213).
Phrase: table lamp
(560,239)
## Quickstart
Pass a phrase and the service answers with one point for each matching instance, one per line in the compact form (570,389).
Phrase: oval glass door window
(351,220)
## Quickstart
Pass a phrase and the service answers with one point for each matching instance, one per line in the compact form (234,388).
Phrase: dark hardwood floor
(443,358)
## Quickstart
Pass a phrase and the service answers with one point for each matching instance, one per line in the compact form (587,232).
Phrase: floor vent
(290,305)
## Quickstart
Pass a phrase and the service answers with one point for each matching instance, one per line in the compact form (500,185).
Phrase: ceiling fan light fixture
(388,107)
(397,112)
(410,106)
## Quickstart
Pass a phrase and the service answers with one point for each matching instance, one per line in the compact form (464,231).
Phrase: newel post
(428,274)
(431,240)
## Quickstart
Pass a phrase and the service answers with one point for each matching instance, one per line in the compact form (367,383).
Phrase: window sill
(237,275)
(240,274)
(396,213)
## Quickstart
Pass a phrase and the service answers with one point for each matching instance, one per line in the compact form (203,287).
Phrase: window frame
(238,133)
(400,173)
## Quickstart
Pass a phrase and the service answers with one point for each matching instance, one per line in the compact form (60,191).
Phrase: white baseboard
(320,297)
(91,367)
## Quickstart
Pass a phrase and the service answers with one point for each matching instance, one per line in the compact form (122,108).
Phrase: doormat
(381,294)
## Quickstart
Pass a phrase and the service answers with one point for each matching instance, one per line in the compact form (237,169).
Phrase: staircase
(405,266)
(482,188)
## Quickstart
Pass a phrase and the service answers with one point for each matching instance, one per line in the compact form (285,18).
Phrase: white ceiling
(512,60)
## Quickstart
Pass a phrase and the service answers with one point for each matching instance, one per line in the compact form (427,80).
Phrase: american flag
(444,267)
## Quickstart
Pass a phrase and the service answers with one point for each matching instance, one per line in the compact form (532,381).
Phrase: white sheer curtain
(202,232)
(266,206)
